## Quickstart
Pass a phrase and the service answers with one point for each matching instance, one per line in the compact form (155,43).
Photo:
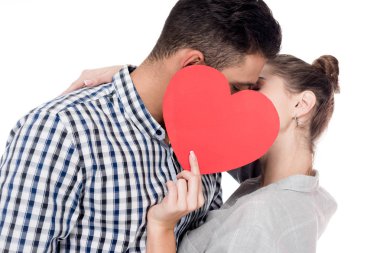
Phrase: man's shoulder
(63,111)
(74,100)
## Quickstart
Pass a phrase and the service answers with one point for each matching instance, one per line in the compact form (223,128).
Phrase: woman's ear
(305,103)
(193,57)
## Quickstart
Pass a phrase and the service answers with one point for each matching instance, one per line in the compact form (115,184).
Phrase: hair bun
(329,65)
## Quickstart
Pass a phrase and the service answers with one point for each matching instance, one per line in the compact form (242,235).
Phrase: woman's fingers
(182,195)
(182,198)
(195,169)
(172,195)
(76,85)
(192,193)
(194,163)
(195,197)
(93,77)
(192,188)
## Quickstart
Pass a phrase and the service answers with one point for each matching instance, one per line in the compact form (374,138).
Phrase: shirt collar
(300,183)
(134,108)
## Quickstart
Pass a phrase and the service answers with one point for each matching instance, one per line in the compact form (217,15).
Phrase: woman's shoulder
(297,202)
(289,215)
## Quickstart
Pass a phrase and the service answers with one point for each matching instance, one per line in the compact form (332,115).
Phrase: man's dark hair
(223,30)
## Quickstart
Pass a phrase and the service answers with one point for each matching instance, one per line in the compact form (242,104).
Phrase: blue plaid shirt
(80,172)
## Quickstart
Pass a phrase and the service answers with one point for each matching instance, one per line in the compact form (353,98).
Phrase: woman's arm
(183,197)
(93,77)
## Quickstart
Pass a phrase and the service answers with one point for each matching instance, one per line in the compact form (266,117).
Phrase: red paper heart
(225,131)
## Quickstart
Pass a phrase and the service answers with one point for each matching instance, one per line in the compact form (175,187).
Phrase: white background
(44,45)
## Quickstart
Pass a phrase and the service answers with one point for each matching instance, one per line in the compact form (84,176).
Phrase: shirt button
(158,132)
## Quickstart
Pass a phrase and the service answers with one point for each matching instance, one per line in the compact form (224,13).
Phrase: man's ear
(193,57)
(305,103)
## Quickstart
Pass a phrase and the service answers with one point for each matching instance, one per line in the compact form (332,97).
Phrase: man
(80,172)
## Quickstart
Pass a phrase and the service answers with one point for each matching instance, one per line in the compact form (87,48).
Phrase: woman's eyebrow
(261,80)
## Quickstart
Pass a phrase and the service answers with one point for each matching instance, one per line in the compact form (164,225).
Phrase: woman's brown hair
(320,77)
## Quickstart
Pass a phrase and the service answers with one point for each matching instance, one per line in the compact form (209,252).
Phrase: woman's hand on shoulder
(93,77)
(183,197)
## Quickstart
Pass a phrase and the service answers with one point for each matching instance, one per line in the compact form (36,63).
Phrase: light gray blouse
(287,216)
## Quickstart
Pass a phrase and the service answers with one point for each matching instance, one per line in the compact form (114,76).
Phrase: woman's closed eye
(257,86)
(236,87)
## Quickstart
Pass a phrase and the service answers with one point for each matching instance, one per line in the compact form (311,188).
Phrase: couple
(88,171)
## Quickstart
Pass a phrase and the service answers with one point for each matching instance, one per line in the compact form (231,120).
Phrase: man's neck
(150,80)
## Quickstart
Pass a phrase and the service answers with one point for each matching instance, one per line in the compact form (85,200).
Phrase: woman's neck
(288,156)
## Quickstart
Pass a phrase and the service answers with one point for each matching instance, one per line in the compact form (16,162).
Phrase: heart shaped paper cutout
(225,131)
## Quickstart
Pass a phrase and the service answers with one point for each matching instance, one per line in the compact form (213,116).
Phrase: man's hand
(93,77)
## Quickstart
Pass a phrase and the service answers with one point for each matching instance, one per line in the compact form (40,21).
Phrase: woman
(283,210)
